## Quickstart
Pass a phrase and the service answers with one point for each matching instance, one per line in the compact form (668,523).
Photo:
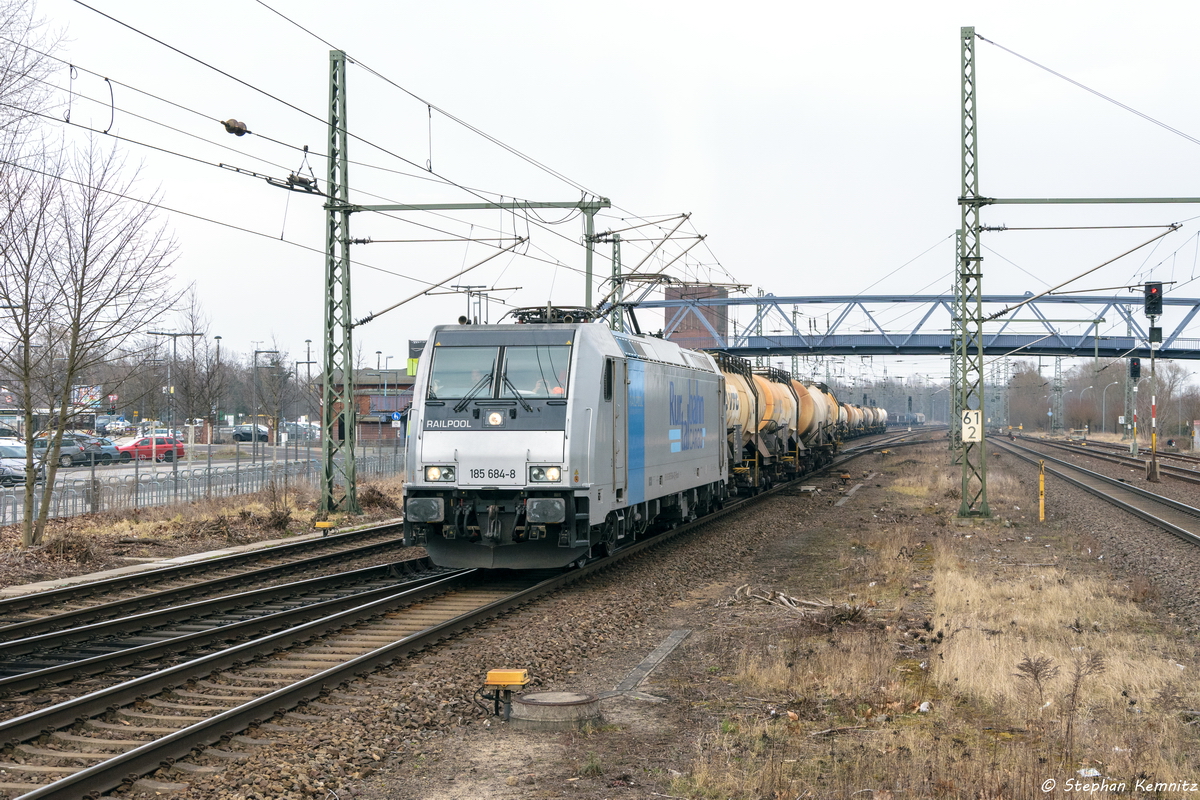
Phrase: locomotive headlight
(544,474)
(435,474)
(495,419)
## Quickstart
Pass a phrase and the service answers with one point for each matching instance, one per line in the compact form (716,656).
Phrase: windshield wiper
(486,380)
(524,404)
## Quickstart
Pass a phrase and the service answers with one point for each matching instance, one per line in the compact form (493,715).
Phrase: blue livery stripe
(636,441)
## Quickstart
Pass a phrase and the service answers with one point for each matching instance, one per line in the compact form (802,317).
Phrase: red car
(160,448)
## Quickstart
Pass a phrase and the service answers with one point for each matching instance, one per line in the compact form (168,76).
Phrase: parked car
(98,450)
(113,427)
(12,466)
(160,448)
(245,433)
(175,434)
(303,431)
(70,453)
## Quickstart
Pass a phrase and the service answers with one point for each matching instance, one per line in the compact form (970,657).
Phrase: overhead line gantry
(338,419)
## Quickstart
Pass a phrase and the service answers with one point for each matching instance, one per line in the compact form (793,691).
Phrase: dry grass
(300,501)
(1029,672)
(92,542)
(1028,643)
(923,474)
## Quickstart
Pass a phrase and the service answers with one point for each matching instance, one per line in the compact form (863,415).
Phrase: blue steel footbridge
(1110,327)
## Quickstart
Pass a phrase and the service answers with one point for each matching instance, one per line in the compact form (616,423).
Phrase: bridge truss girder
(931,334)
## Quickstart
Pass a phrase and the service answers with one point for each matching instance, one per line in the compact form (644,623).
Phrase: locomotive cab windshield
(530,372)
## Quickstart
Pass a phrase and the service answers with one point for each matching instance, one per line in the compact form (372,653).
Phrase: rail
(1141,503)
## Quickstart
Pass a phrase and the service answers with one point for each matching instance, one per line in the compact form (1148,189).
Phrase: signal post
(1153,307)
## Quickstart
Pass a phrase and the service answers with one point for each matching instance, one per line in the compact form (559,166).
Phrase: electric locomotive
(546,442)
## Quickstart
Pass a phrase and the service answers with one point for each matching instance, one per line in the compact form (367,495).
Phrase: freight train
(553,440)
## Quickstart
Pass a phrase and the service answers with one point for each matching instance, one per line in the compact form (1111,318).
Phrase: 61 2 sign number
(972,425)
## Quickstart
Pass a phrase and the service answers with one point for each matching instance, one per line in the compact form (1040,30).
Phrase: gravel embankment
(1167,565)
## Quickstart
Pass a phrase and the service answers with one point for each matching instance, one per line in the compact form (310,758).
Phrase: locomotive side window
(608,379)
(537,372)
(462,372)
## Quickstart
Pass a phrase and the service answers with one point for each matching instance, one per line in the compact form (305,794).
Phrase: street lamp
(171,397)
(1082,393)
(1104,407)
(217,395)
(254,391)
(170,386)
(935,394)
(1183,431)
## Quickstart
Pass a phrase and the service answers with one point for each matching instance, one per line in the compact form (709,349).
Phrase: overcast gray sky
(816,145)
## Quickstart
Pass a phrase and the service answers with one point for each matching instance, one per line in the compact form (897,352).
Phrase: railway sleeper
(176,720)
(98,744)
(127,730)
(44,752)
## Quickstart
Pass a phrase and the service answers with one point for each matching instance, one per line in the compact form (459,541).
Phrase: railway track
(1122,448)
(1178,518)
(135,726)
(87,603)
(95,742)
(1185,474)
(118,649)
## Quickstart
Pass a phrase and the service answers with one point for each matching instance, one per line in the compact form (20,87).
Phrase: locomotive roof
(645,348)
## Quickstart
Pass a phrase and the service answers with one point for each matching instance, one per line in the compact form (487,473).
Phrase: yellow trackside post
(1041,491)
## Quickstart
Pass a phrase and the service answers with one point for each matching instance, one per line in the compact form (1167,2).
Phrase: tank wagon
(549,441)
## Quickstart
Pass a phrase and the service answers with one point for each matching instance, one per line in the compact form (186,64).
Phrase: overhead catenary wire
(1090,90)
(420,175)
(126,139)
(237,170)
(209,220)
(1089,271)
(430,106)
(442,282)
(280,100)
(276,98)
(251,173)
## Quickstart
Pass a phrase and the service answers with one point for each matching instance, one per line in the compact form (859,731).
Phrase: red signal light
(1153,299)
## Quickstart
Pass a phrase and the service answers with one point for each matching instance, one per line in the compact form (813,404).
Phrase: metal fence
(85,491)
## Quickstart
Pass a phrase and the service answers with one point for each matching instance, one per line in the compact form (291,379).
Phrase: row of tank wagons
(780,427)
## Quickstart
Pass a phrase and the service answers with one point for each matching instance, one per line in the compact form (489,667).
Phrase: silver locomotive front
(488,462)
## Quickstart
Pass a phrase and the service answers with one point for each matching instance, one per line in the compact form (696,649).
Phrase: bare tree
(198,380)
(109,279)
(28,245)
(25,65)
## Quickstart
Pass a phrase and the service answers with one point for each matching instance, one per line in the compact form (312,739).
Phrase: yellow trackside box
(507,677)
